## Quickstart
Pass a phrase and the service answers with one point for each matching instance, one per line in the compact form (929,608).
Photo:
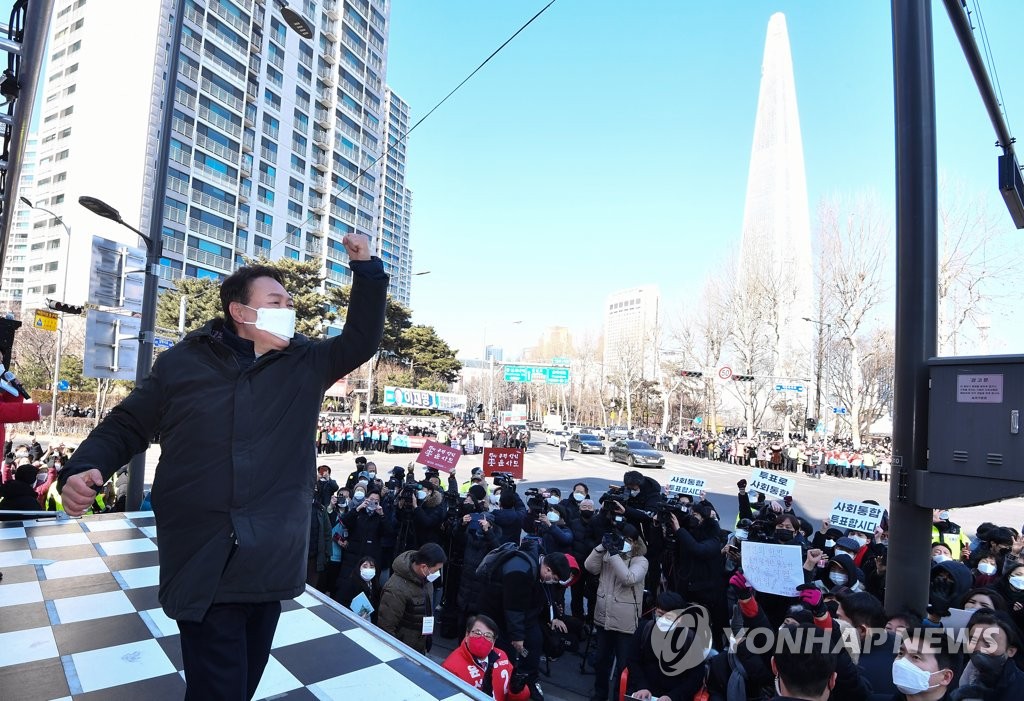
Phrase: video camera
(535,501)
(504,480)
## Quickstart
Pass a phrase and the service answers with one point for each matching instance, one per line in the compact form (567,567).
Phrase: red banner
(503,460)
(439,456)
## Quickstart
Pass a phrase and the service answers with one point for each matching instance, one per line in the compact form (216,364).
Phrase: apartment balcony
(213,232)
(221,123)
(326,74)
(331,8)
(207,258)
(218,9)
(319,183)
(242,218)
(248,143)
(182,156)
(293,240)
(215,176)
(325,97)
(335,276)
(321,162)
(169,274)
(192,44)
(188,71)
(276,60)
(263,228)
(295,194)
(268,155)
(184,99)
(271,131)
(243,195)
(321,138)
(267,179)
(216,148)
(336,255)
(214,204)
(222,95)
(317,205)
(230,72)
(178,185)
(174,214)
(314,247)
(327,55)
(323,117)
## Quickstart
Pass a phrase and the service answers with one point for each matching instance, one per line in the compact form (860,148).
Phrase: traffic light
(691,373)
(810,423)
(743,378)
(64,307)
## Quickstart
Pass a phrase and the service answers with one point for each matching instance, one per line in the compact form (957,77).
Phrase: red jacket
(14,410)
(462,665)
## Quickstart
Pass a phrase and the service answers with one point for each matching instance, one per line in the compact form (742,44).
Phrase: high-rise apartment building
(631,332)
(94,127)
(276,142)
(395,200)
(15,266)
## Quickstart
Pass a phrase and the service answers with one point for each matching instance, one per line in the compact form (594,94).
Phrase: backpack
(490,567)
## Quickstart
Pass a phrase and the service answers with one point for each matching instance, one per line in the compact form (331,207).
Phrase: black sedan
(636,454)
(586,443)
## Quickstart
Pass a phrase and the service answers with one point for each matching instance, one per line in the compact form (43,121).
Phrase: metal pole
(137,466)
(490,399)
(56,377)
(916,294)
(182,303)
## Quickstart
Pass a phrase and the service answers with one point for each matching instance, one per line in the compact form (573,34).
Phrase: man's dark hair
(912,618)
(937,642)
(988,617)
(480,618)
(237,286)
(670,601)
(863,609)
(559,564)
(633,478)
(806,670)
(430,554)
(507,500)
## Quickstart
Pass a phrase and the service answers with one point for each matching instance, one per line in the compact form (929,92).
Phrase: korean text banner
(424,399)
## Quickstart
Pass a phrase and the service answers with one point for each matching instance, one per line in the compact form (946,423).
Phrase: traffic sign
(838,410)
(45,320)
(161,342)
(789,388)
(560,360)
(725,372)
(63,386)
(698,420)
(536,374)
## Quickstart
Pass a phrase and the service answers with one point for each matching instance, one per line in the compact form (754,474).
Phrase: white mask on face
(432,577)
(276,321)
(626,547)
(986,568)
(860,540)
(1017,583)
(839,578)
(664,623)
(908,678)
(579,496)
(552,500)
(367,573)
(939,557)
(421,494)
(553,517)
(741,534)
(359,496)
(830,543)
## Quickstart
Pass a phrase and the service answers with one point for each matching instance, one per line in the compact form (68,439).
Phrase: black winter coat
(701,564)
(428,518)
(366,533)
(237,465)
(510,521)
(17,496)
(476,544)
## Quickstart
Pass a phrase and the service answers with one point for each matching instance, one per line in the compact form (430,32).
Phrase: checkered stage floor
(79,619)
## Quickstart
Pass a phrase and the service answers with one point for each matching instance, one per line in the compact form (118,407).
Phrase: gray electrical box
(975,441)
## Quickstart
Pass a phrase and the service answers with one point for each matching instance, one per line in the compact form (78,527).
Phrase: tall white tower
(776,245)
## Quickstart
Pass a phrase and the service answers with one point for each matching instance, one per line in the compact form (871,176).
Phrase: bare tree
(975,263)
(855,238)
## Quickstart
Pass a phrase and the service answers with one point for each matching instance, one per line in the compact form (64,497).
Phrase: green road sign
(537,374)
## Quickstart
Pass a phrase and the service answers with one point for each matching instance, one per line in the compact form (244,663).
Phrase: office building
(631,332)
(12,286)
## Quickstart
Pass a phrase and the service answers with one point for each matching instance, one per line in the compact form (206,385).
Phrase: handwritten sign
(855,515)
(772,484)
(979,389)
(685,485)
(773,568)
(503,460)
(439,456)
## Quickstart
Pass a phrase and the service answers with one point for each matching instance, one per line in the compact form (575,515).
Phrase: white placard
(956,619)
(979,389)
(773,568)
(685,485)
(855,515)
(772,484)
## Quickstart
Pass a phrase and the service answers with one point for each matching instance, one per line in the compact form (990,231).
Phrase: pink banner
(436,455)
(503,460)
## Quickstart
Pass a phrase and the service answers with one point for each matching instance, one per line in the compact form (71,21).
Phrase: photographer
(621,567)
(367,525)
(509,515)
(476,536)
(586,534)
(428,514)
(551,527)
(701,562)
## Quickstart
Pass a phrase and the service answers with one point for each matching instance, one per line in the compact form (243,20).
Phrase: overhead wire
(991,62)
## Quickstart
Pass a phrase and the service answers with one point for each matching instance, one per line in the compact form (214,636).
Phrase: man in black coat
(236,405)
(18,495)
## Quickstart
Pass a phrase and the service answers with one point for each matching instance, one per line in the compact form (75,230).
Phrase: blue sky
(608,145)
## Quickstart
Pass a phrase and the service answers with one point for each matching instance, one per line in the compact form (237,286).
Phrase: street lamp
(137,466)
(60,326)
(295,20)
(490,358)
(828,367)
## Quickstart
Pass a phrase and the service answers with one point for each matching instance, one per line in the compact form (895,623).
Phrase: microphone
(10,383)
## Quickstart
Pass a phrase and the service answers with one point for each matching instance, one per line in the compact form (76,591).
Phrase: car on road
(586,443)
(617,433)
(636,454)
(554,437)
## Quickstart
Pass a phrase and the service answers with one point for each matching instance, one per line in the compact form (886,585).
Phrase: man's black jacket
(237,466)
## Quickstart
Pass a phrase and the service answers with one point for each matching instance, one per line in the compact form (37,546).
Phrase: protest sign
(439,456)
(855,515)
(685,485)
(773,568)
(772,484)
(503,460)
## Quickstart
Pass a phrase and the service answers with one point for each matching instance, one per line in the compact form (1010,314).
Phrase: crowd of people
(340,435)
(29,475)
(520,577)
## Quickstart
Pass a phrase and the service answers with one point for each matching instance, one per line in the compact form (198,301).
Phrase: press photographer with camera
(509,515)
(367,525)
(620,564)
(476,536)
(429,513)
(587,529)
(700,565)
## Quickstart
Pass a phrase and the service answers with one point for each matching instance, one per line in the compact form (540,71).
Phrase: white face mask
(579,496)
(553,517)
(372,475)
(359,496)
(495,498)
(860,540)
(740,534)
(986,568)
(552,500)
(664,623)
(1017,583)
(432,577)
(367,573)
(277,321)
(422,494)
(830,543)
(908,678)
(626,547)
(839,578)
(939,557)
(943,515)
